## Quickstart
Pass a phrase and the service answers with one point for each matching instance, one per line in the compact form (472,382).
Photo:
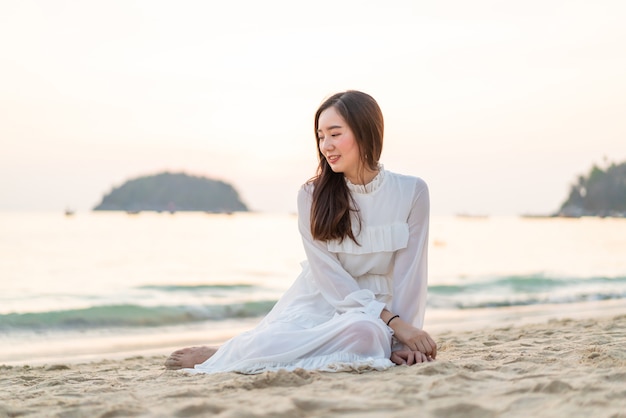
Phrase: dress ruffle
(373,185)
(337,362)
(374,239)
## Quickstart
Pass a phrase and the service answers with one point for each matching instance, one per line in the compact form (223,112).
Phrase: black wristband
(392,318)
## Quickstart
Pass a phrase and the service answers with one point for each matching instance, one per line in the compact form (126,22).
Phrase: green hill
(600,193)
(173,192)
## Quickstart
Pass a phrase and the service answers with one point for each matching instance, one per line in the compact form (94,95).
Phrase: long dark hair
(332,202)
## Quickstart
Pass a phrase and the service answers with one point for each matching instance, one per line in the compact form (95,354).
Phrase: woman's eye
(334,135)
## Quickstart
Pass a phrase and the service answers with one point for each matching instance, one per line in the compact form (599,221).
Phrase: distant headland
(173,192)
(601,193)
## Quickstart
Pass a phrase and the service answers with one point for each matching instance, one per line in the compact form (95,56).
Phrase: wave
(526,283)
(525,290)
(129,315)
(197,287)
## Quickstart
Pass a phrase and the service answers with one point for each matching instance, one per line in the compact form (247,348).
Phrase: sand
(554,368)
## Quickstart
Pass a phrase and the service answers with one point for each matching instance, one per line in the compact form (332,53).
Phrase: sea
(98,284)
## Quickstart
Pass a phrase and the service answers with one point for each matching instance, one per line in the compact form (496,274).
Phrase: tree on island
(173,192)
(601,193)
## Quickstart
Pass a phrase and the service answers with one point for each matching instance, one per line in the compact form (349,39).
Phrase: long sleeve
(410,272)
(333,281)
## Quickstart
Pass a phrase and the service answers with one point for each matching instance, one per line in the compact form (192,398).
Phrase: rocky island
(601,193)
(173,192)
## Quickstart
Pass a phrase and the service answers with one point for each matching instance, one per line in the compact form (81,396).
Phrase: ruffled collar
(369,187)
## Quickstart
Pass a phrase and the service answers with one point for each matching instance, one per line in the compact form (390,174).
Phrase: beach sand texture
(557,368)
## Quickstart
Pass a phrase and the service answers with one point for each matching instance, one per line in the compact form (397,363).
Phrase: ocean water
(102,282)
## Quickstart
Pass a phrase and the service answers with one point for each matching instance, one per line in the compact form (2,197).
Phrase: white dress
(329,319)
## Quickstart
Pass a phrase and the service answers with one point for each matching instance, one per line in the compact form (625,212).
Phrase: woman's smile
(332,159)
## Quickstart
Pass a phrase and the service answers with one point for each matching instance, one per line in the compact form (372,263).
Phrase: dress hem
(334,363)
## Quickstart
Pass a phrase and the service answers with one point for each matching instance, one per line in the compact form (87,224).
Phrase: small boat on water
(471,216)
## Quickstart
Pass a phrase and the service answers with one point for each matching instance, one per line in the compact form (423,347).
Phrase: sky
(498,105)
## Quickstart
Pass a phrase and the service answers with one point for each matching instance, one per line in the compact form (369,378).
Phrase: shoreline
(558,367)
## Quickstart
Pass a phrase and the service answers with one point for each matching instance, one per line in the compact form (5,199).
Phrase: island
(173,192)
(601,193)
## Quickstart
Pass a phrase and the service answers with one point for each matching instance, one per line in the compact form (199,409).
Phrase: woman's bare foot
(188,357)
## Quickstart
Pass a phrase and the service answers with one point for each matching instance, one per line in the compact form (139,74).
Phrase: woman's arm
(410,280)
(410,271)
(337,286)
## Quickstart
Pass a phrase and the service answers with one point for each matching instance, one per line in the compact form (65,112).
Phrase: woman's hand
(414,340)
(409,357)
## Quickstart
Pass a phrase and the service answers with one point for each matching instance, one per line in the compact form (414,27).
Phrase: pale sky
(498,105)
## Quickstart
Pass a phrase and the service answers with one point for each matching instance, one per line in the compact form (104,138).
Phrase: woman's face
(338,144)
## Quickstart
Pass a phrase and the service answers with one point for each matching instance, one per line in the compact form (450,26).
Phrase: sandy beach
(551,368)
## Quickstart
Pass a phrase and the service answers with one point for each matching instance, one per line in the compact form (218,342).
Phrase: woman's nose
(327,144)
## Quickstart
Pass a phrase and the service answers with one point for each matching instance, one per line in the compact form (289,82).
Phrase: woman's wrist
(392,318)
(389,317)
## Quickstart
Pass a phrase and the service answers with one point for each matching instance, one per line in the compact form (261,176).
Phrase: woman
(359,301)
